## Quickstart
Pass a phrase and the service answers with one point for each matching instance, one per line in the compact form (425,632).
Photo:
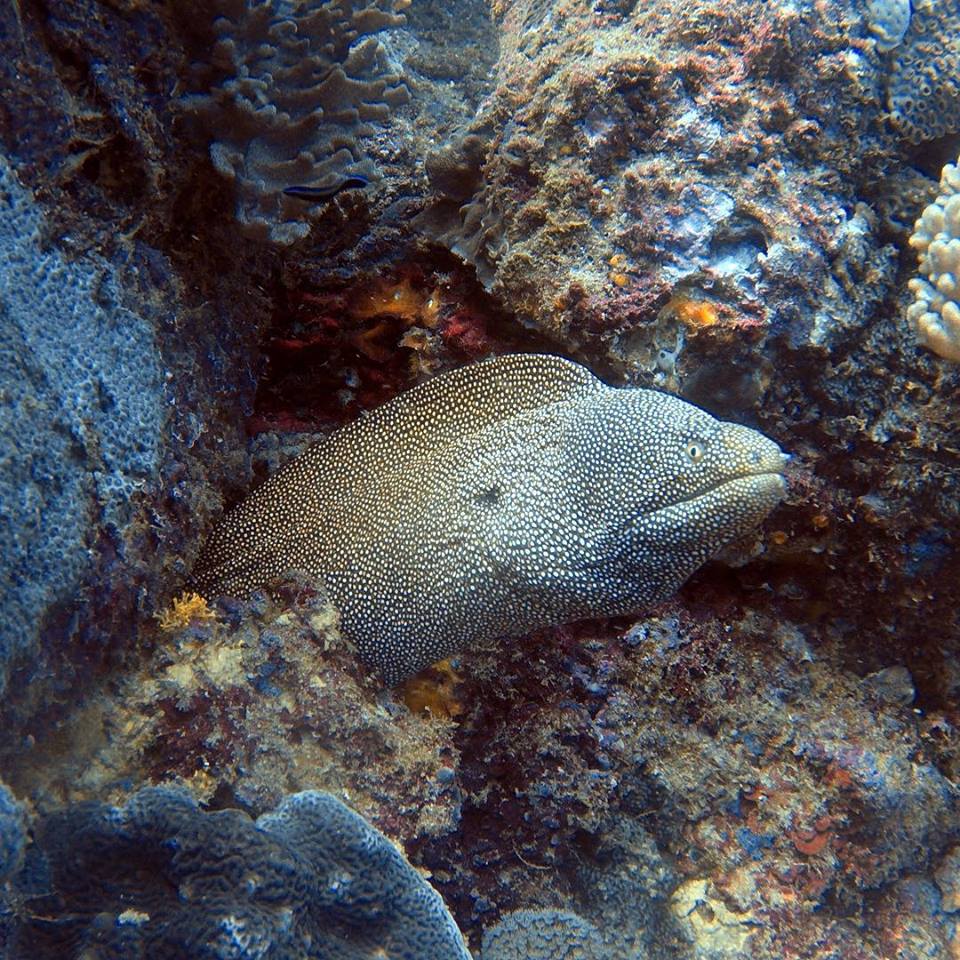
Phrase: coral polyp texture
(543,935)
(300,85)
(935,313)
(80,433)
(161,878)
(503,496)
(924,86)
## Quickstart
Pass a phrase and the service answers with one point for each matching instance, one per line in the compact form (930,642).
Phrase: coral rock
(80,432)
(160,878)
(13,833)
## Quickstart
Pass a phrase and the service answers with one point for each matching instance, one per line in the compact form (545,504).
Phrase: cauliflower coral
(935,312)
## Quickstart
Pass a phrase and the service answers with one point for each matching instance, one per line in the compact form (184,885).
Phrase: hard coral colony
(936,311)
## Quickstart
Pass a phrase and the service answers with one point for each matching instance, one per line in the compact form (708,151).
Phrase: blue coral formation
(160,878)
(82,416)
(13,833)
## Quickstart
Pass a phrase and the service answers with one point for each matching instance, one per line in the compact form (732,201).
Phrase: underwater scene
(480,480)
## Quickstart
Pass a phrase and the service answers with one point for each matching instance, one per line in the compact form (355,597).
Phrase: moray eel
(503,496)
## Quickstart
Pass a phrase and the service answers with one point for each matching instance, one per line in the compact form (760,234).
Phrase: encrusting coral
(500,497)
(924,87)
(299,88)
(543,935)
(935,313)
(83,417)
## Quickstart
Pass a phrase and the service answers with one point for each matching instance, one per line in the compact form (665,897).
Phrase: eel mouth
(768,479)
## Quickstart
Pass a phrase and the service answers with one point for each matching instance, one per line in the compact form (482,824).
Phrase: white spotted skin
(507,495)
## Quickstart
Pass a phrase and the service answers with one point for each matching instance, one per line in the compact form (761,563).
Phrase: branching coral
(936,310)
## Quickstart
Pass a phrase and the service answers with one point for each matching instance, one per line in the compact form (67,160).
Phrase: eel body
(504,496)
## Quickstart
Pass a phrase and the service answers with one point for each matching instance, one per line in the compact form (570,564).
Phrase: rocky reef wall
(712,199)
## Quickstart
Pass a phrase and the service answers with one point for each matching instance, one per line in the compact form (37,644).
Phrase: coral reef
(935,313)
(711,199)
(298,86)
(626,136)
(707,785)
(160,878)
(923,91)
(83,415)
(263,700)
(542,935)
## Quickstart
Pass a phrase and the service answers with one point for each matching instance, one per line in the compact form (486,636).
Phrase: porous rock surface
(263,699)
(82,417)
(13,834)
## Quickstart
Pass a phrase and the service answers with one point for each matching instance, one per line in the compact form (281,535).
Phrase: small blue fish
(355,181)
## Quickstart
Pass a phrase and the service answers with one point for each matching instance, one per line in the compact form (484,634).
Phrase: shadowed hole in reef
(329,355)
(225,798)
(116,168)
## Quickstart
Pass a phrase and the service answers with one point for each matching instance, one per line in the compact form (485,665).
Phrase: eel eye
(695,452)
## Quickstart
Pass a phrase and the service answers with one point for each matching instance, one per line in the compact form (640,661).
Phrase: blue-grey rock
(13,833)
(82,413)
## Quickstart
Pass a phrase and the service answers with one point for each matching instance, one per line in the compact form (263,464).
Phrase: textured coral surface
(713,199)
(160,878)
(297,85)
(924,89)
(936,238)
